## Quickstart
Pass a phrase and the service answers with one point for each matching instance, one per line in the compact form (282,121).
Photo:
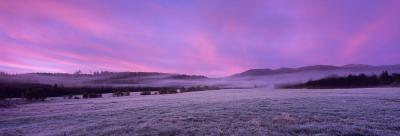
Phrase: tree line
(34,91)
(351,81)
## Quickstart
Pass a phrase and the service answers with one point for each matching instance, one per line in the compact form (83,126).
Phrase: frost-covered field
(220,112)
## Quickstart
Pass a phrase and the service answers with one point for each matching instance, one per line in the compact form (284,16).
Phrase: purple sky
(213,38)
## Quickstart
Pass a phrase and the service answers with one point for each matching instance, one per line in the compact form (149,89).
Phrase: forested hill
(351,81)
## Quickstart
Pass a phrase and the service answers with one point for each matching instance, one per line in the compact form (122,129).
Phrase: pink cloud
(204,37)
(361,38)
(376,29)
(203,53)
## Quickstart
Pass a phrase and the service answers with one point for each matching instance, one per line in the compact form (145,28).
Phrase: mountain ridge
(247,78)
(348,67)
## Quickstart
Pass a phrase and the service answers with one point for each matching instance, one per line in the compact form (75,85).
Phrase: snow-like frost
(259,111)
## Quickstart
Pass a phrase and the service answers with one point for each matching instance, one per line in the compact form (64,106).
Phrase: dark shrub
(35,94)
(145,93)
(92,95)
(119,93)
(6,104)
(163,91)
(126,93)
(172,91)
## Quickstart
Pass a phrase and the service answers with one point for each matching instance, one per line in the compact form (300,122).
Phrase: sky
(206,37)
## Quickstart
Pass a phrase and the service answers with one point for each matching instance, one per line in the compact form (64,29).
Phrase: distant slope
(271,77)
(350,81)
(351,68)
(105,79)
(249,78)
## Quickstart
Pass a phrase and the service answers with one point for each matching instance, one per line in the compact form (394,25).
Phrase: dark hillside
(351,81)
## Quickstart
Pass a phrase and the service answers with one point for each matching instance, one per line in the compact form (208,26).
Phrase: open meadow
(260,111)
